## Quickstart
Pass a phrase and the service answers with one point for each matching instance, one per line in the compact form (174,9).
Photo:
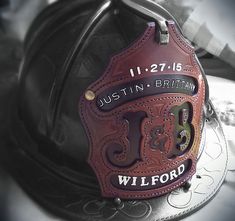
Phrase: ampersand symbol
(158,138)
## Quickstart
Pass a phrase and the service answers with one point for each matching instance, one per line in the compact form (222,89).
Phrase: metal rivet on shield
(117,201)
(187,185)
(89,95)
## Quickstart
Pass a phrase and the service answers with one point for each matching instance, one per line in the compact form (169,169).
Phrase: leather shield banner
(143,117)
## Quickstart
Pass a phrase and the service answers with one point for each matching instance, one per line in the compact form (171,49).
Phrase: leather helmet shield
(143,117)
(146,136)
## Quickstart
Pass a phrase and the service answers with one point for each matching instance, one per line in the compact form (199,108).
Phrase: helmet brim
(81,202)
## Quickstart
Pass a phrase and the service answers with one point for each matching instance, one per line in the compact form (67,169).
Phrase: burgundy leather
(144,129)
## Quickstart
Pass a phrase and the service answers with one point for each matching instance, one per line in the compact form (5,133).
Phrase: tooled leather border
(136,46)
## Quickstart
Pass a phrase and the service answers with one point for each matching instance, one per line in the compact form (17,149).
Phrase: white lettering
(183,83)
(134,181)
(161,67)
(192,87)
(123,180)
(187,86)
(101,103)
(139,87)
(158,83)
(166,83)
(108,101)
(116,96)
(177,81)
(155,179)
(143,179)
(173,175)
(181,169)
(166,176)
(132,72)
(131,90)
(124,91)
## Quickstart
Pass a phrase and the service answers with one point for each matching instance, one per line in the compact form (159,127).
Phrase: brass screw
(89,95)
